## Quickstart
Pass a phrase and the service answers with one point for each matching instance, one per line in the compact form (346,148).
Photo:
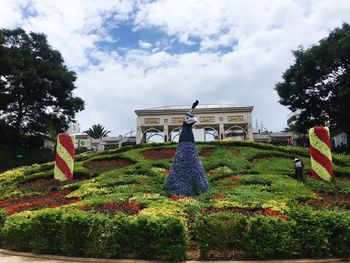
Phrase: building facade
(221,121)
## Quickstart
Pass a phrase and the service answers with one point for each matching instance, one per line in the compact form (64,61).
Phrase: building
(274,137)
(221,121)
(73,128)
(84,142)
(340,140)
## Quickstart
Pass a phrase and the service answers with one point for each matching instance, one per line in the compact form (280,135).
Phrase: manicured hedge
(222,231)
(306,233)
(79,233)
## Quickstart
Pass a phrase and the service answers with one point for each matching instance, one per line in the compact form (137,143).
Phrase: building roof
(201,108)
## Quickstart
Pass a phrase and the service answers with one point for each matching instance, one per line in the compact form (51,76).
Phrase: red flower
(219,196)
(206,152)
(235,178)
(174,197)
(160,154)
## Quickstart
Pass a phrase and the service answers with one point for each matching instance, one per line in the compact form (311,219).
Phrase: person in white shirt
(298,166)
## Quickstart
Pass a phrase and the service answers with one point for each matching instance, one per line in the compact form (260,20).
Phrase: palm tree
(97,131)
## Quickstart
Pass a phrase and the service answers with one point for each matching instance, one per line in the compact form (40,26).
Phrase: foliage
(97,131)
(253,202)
(221,231)
(35,87)
(14,156)
(269,237)
(318,83)
(17,232)
(79,233)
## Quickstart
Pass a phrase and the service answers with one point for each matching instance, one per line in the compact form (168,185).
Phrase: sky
(137,54)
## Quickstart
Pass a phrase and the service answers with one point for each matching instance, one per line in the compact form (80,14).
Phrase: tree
(318,83)
(97,131)
(35,86)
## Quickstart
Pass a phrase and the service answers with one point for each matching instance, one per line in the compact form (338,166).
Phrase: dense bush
(159,236)
(17,232)
(79,233)
(269,237)
(46,228)
(306,233)
(84,233)
(220,232)
(2,222)
(13,156)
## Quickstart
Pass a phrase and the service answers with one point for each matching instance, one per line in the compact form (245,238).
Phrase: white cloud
(261,33)
(11,13)
(144,45)
(74,27)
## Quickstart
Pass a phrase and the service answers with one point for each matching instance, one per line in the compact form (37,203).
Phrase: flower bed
(160,154)
(101,166)
(331,200)
(245,211)
(114,208)
(39,183)
(35,202)
(206,152)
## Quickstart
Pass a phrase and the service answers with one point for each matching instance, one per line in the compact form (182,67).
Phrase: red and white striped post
(64,164)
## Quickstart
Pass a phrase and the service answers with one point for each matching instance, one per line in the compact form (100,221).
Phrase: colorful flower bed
(160,154)
(206,152)
(35,202)
(331,200)
(100,166)
(254,207)
(245,211)
(114,208)
(39,183)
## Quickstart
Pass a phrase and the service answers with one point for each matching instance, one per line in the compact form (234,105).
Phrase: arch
(174,130)
(155,132)
(235,127)
(151,129)
(215,133)
(152,135)
(177,128)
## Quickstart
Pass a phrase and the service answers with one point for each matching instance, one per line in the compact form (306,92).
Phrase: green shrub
(83,233)
(18,232)
(154,236)
(270,237)
(221,232)
(15,156)
(118,238)
(310,233)
(46,228)
(2,222)
(338,230)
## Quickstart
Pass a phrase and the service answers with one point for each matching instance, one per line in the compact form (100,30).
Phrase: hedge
(79,233)
(306,233)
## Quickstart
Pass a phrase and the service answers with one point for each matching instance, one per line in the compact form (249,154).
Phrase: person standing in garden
(187,176)
(299,166)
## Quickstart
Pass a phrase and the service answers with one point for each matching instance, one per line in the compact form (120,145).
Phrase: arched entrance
(150,133)
(211,132)
(236,133)
(174,134)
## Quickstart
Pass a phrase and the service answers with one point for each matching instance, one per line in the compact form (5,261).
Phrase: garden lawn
(254,208)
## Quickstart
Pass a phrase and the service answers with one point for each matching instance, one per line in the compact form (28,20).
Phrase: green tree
(318,83)
(35,86)
(97,131)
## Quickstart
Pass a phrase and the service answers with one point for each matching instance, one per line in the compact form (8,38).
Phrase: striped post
(320,151)
(64,164)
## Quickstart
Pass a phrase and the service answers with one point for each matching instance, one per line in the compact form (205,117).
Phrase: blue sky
(133,54)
